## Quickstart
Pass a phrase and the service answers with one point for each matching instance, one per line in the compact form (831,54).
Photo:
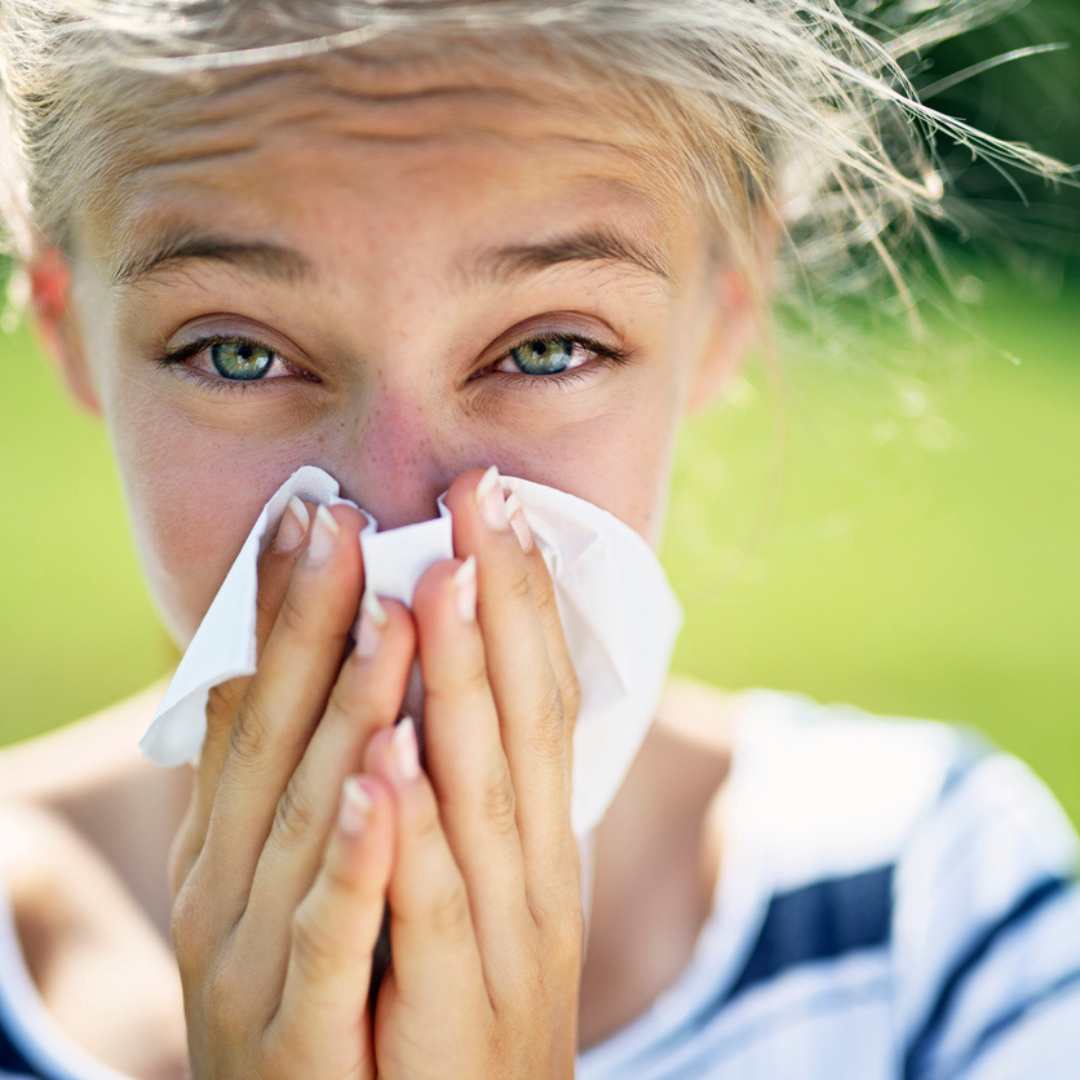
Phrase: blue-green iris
(241,360)
(546,356)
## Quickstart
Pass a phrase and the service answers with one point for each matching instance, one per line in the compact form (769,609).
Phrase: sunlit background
(889,522)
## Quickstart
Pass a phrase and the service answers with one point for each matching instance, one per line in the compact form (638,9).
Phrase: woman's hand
(276,911)
(484,897)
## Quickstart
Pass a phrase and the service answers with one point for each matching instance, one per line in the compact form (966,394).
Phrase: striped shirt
(897,899)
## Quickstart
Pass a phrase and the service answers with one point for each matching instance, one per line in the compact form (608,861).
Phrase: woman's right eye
(223,361)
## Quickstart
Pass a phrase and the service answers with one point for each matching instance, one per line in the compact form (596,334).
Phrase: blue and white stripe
(899,900)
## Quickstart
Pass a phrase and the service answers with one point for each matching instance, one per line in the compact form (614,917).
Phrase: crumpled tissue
(618,611)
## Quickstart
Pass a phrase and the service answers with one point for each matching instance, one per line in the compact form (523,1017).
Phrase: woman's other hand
(485,905)
(278,880)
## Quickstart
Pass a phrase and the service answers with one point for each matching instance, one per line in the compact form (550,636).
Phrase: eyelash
(606,356)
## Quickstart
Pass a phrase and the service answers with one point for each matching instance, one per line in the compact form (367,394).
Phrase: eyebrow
(600,243)
(178,244)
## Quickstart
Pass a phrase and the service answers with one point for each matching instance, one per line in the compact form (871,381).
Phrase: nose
(395,456)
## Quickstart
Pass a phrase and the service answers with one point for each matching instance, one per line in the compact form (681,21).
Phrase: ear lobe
(57,327)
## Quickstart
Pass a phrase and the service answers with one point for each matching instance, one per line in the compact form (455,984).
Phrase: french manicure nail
(464,581)
(406,754)
(372,619)
(492,502)
(292,527)
(518,522)
(323,534)
(356,806)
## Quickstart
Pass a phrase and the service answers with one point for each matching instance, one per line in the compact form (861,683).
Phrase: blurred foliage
(1031,225)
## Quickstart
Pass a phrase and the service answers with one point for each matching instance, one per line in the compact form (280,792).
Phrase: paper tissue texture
(619,615)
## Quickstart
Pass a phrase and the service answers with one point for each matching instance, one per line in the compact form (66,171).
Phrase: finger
(367,695)
(334,931)
(435,957)
(283,703)
(275,566)
(465,759)
(523,682)
(542,588)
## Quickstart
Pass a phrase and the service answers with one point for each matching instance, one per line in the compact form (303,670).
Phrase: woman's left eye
(555,358)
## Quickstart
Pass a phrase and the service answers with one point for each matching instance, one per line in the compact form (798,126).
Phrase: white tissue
(619,615)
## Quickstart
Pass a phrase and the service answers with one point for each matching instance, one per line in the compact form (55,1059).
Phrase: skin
(384,374)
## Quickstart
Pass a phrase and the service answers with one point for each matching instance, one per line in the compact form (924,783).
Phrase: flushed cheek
(618,458)
(193,496)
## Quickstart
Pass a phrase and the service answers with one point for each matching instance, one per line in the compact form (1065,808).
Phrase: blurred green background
(889,522)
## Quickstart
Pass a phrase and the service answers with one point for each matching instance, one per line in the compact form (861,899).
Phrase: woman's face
(410,260)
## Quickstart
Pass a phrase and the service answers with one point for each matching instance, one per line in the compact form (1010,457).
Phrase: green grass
(897,526)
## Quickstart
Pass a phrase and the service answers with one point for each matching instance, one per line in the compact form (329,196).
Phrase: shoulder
(950,858)
(839,788)
(99,748)
(94,778)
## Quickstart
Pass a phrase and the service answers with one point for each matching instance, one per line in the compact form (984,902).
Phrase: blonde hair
(782,107)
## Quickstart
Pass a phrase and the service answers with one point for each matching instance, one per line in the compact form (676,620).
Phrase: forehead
(385,155)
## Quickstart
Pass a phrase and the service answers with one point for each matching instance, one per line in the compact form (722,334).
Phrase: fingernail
(323,534)
(518,522)
(406,754)
(492,502)
(464,581)
(372,619)
(356,806)
(292,527)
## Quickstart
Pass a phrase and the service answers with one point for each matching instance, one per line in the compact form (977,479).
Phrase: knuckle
(519,588)
(341,878)
(223,700)
(448,913)
(294,816)
(187,927)
(314,951)
(473,676)
(548,735)
(250,733)
(265,607)
(469,679)
(546,604)
(341,702)
(226,993)
(427,826)
(500,801)
(293,616)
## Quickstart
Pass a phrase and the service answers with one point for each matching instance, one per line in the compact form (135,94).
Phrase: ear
(57,326)
(738,300)
(735,320)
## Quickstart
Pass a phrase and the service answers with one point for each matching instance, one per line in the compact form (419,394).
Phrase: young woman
(417,244)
